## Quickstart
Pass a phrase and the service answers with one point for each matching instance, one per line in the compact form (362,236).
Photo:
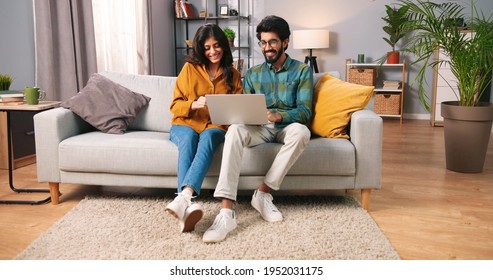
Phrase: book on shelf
(187,9)
(178,10)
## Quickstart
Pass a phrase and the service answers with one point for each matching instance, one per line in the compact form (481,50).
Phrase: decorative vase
(393,57)
(467,132)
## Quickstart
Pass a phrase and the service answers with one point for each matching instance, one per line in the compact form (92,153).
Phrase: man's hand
(200,103)
(274,117)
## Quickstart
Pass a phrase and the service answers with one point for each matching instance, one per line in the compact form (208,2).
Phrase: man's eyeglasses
(272,43)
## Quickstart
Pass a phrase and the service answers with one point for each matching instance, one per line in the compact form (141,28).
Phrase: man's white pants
(294,138)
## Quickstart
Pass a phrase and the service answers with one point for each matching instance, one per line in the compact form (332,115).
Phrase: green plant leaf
(230,33)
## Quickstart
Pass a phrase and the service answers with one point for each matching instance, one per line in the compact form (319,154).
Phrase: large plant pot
(393,58)
(467,132)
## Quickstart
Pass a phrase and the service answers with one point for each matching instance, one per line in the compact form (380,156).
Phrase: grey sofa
(69,150)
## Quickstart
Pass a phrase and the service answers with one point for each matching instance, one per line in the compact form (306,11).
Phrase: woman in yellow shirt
(208,70)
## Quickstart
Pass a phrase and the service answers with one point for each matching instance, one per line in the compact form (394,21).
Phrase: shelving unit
(385,72)
(185,28)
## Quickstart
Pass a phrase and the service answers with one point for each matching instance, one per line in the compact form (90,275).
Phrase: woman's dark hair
(274,24)
(198,54)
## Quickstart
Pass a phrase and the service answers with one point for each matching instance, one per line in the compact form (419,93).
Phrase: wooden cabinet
(386,102)
(214,11)
(23,145)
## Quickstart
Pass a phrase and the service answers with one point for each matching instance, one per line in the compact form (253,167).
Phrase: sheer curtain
(121,30)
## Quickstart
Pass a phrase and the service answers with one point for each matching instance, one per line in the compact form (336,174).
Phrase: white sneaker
(224,223)
(186,211)
(262,202)
(178,206)
(193,214)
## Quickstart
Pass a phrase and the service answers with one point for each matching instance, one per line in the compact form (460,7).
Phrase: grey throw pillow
(106,105)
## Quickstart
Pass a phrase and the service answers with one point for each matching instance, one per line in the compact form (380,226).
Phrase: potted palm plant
(396,29)
(231,35)
(467,120)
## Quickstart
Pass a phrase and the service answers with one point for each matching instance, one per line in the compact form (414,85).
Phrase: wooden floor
(426,211)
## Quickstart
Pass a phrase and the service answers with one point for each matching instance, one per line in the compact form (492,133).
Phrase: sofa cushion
(334,102)
(151,153)
(106,105)
(135,152)
(156,116)
(322,156)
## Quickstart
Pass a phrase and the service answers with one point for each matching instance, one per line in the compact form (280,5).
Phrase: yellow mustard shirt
(193,82)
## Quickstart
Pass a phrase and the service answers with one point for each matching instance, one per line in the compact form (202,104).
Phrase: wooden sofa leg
(55,193)
(365,198)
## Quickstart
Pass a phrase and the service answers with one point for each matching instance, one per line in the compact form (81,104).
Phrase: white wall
(17,42)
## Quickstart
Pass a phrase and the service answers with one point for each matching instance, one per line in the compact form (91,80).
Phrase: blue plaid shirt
(288,91)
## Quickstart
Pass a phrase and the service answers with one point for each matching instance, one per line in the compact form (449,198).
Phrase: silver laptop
(237,108)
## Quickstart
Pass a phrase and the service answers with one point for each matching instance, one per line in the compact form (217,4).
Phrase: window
(122,35)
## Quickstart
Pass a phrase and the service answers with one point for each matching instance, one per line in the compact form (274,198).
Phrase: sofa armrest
(50,128)
(366,135)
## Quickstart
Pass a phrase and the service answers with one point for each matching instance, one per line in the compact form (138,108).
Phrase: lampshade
(311,39)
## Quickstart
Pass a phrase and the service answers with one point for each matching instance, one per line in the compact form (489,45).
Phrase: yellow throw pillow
(334,101)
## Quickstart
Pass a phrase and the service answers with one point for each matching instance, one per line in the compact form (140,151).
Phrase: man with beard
(288,88)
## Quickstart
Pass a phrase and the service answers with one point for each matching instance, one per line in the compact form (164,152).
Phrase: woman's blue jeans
(195,152)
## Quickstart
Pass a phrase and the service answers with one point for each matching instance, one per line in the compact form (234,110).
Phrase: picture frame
(223,10)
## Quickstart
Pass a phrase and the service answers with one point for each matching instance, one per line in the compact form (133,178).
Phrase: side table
(42,106)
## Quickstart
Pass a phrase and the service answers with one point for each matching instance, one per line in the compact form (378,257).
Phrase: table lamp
(311,39)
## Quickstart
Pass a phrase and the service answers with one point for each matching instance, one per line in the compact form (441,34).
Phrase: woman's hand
(200,103)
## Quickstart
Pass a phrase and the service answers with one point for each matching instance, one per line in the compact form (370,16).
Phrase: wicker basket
(362,76)
(387,104)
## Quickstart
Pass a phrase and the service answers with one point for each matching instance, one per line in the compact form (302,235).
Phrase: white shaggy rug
(138,228)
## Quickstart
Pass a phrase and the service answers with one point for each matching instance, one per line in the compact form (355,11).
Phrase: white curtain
(64,46)
(121,30)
